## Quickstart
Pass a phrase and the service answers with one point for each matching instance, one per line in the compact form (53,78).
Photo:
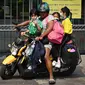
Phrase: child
(66,23)
(57,16)
(34,25)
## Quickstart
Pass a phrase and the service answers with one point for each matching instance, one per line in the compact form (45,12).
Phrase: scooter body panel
(8,60)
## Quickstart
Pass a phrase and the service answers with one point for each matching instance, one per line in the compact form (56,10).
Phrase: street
(77,78)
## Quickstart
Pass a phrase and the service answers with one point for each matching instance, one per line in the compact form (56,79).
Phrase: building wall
(83,9)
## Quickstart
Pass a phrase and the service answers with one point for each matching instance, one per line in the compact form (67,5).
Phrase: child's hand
(22,33)
(35,22)
(14,27)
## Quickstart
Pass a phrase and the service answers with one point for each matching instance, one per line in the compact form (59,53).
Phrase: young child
(34,25)
(57,16)
(66,23)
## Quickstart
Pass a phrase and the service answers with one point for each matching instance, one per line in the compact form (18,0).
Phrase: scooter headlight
(14,53)
(14,50)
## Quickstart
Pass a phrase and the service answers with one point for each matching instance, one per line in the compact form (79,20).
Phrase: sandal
(52,81)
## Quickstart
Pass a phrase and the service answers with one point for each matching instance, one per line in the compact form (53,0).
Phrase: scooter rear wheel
(69,71)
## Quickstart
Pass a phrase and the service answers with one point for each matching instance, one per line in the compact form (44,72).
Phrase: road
(77,78)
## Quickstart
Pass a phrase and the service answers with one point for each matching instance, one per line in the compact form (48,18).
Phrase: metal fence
(79,34)
(7,35)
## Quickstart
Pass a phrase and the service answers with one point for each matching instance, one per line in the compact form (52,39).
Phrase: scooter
(19,59)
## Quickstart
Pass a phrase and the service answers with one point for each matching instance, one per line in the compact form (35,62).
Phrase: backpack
(57,33)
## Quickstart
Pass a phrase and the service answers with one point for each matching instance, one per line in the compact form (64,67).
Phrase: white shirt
(46,20)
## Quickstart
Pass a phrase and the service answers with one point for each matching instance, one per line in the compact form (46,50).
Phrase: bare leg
(48,62)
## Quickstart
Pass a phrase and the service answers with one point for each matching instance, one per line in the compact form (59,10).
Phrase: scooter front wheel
(6,72)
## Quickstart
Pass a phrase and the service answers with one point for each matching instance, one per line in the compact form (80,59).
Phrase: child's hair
(57,14)
(66,10)
(70,16)
(33,11)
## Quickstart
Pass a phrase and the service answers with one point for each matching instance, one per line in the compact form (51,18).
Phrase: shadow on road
(78,73)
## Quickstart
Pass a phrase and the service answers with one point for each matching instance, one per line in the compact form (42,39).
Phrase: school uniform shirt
(67,24)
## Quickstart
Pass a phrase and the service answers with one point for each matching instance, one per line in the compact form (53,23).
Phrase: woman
(47,21)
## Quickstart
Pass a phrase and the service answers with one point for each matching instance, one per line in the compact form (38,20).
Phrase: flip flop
(52,81)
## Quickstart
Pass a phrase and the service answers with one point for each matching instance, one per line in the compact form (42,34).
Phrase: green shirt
(33,28)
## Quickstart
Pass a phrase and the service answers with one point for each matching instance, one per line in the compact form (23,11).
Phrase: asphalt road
(77,78)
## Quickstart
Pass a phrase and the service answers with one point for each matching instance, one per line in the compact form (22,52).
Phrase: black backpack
(38,53)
